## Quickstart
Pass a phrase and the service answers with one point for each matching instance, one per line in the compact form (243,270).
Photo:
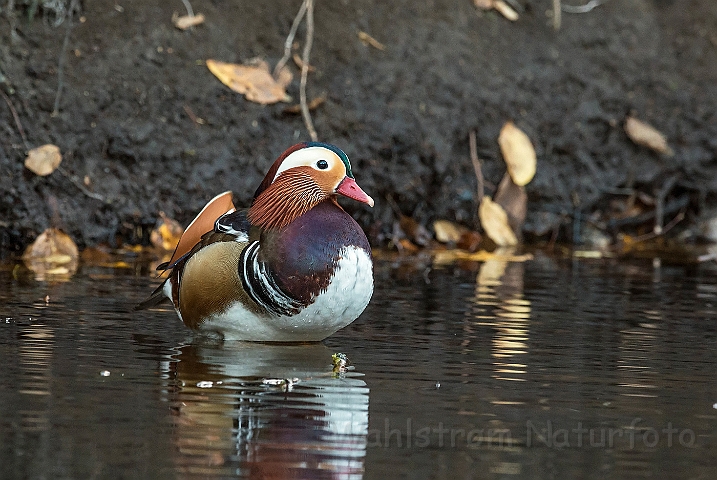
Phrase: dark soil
(403,115)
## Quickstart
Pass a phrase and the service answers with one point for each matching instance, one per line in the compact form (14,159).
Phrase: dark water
(545,369)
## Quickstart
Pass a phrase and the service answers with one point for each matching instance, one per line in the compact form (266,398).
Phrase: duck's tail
(157,297)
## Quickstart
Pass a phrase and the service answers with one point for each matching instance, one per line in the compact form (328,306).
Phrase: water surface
(550,368)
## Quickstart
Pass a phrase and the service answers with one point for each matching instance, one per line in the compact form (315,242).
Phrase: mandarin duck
(294,266)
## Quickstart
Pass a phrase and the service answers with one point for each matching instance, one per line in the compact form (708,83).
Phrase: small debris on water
(105,373)
(205,384)
(341,362)
(286,383)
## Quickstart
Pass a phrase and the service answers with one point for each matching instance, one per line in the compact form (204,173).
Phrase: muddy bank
(134,87)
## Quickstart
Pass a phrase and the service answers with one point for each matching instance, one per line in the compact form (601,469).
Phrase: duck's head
(302,177)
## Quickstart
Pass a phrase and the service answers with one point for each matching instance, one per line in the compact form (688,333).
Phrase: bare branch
(290,39)
(476,164)
(17,119)
(305,70)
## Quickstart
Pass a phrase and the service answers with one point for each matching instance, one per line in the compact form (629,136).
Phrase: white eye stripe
(308,157)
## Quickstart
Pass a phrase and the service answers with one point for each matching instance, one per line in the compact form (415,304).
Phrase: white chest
(346,296)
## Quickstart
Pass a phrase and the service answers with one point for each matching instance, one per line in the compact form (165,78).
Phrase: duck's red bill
(349,188)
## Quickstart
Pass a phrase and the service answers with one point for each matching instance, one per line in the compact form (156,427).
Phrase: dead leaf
(405,245)
(448,232)
(646,135)
(495,223)
(52,253)
(518,153)
(483,4)
(43,160)
(369,40)
(415,232)
(167,233)
(445,257)
(313,105)
(470,241)
(254,81)
(52,245)
(185,21)
(514,201)
(505,10)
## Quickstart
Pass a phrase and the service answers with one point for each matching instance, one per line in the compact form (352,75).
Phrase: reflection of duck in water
(267,411)
(293,267)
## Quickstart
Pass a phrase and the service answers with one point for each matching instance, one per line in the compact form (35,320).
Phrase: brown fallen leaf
(43,160)
(370,41)
(415,232)
(448,232)
(495,223)
(470,241)
(405,245)
(505,10)
(167,233)
(646,135)
(254,80)
(518,153)
(52,253)
(185,21)
(313,105)
(514,201)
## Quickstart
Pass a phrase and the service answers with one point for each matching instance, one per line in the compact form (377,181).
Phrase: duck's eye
(322,164)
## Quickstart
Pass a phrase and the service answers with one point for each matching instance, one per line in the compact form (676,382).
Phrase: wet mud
(144,126)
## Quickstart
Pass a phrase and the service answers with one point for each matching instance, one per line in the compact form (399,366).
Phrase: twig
(305,69)
(369,40)
(670,207)
(190,113)
(557,15)
(660,202)
(290,39)
(476,164)
(17,119)
(300,64)
(10,15)
(394,206)
(649,236)
(62,61)
(582,8)
(76,182)
(707,257)
(188,6)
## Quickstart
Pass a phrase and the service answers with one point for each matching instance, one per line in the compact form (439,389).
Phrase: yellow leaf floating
(446,257)
(495,223)
(43,160)
(646,135)
(518,153)
(254,81)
